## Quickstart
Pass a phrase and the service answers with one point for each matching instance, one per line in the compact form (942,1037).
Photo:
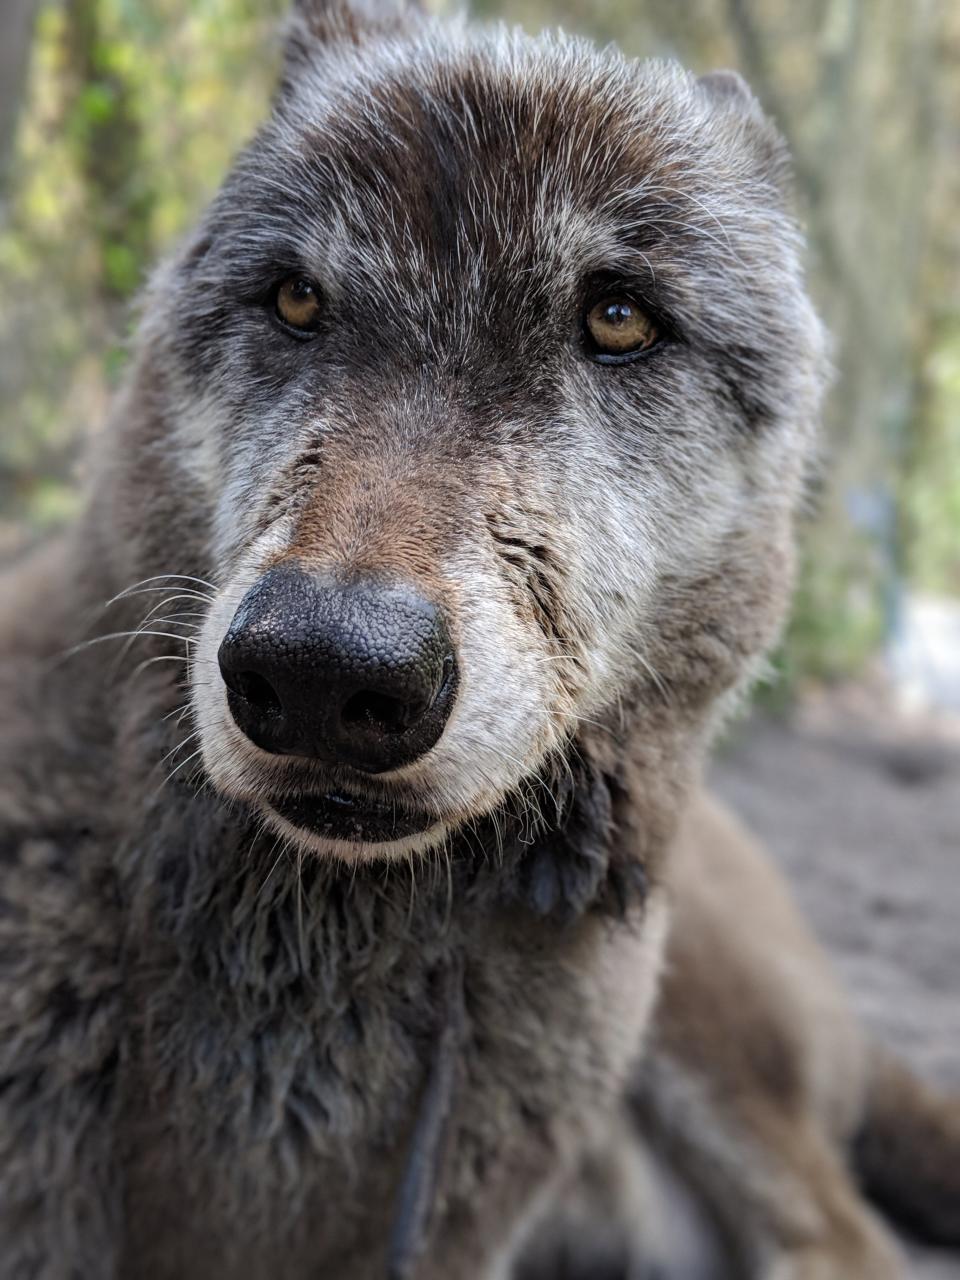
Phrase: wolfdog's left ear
(732,97)
(330,22)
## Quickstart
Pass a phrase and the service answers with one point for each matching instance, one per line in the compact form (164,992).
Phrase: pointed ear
(730,96)
(728,87)
(314,24)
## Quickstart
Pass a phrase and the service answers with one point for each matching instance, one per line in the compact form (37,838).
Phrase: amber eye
(298,304)
(616,327)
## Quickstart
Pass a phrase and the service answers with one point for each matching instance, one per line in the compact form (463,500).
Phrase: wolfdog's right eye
(298,304)
(618,329)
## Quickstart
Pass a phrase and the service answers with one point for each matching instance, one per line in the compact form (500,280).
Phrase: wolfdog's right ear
(318,23)
(732,97)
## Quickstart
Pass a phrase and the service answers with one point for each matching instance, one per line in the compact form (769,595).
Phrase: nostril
(256,689)
(379,710)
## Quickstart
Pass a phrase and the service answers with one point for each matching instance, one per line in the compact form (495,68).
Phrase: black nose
(361,674)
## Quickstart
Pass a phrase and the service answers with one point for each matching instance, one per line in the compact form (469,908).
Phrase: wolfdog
(350,736)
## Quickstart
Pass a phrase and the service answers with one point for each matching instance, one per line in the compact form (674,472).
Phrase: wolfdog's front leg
(59,997)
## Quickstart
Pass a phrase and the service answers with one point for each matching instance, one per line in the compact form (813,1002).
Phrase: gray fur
(214,1032)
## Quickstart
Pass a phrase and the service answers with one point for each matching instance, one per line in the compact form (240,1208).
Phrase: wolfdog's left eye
(298,304)
(616,327)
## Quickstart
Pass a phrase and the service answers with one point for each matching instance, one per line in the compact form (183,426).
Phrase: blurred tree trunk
(859,122)
(16,30)
(108,135)
(16,33)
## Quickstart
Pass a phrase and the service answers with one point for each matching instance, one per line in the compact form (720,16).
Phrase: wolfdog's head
(483,392)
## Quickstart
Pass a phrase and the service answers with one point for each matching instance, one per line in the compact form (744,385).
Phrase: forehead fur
(453,144)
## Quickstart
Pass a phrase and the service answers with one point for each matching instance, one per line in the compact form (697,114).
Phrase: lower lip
(336,816)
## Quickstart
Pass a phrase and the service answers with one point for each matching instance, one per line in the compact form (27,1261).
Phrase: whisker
(61,658)
(181,593)
(173,657)
(191,737)
(161,577)
(142,629)
(175,620)
(281,841)
(661,685)
(174,772)
(301,945)
(165,602)
(570,715)
(181,711)
(122,635)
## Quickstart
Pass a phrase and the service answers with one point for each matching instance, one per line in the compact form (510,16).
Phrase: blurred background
(117,121)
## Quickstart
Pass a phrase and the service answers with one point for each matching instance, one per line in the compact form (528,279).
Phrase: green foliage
(132,113)
(839,617)
(931,483)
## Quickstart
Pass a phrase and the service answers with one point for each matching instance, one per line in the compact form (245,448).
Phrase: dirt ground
(861,807)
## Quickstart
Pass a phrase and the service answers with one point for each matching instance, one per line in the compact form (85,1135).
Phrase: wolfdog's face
(491,372)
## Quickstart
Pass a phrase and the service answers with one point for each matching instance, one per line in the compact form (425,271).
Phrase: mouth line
(338,815)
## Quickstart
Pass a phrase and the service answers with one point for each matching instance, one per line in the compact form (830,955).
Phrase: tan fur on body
(218,1025)
(760,1091)
(758,1072)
